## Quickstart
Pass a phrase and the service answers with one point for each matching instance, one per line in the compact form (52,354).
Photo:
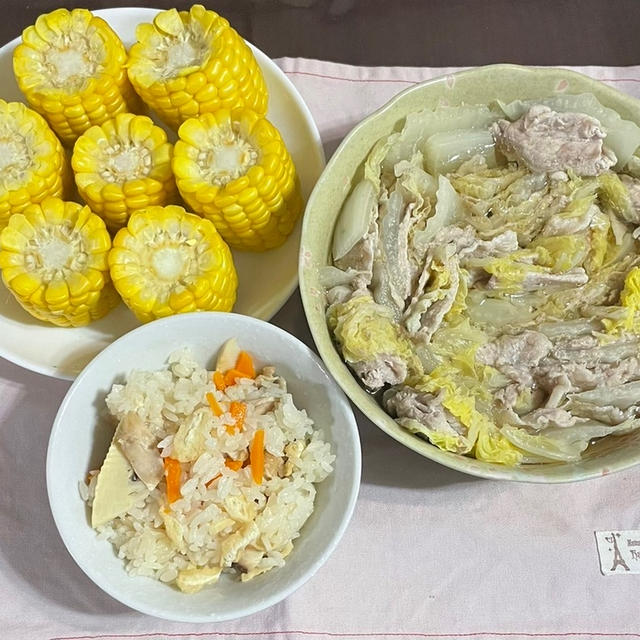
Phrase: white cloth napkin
(430,553)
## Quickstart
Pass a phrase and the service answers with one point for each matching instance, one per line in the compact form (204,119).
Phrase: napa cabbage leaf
(566,443)
(365,330)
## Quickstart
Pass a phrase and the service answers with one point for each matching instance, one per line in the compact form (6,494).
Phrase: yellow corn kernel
(71,66)
(168,261)
(233,168)
(33,165)
(192,62)
(122,166)
(53,260)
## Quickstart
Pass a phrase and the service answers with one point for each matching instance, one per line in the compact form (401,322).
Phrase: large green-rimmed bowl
(477,86)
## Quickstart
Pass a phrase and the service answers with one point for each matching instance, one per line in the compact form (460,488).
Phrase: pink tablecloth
(430,553)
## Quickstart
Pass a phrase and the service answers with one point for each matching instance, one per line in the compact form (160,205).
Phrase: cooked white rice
(232,524)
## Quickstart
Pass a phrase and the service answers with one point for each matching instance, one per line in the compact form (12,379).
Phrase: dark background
(410,32)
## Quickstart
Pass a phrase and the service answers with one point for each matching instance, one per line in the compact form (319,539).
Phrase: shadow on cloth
(291,318)
(31,545)
(386,462)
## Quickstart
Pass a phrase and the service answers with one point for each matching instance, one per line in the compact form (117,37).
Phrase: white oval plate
(266,279)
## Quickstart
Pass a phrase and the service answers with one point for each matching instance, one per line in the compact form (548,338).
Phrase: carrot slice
(256,454)
(232,375)
(244,363)
(218,380)
(213,403)
(234,465)
(173,472)
(238,411)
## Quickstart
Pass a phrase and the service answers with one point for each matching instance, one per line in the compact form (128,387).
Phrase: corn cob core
(192,62)
(168,261)
(122,166)
(71,66)
(54,261)
(234,169)
(32,161)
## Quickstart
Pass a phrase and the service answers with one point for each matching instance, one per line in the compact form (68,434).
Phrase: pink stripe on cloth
(362,90)
(328,77)
(399,80)
(346,636)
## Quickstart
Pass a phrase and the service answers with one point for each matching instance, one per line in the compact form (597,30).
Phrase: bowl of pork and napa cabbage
(474,282)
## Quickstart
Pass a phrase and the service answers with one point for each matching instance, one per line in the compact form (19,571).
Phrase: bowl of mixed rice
(203,467)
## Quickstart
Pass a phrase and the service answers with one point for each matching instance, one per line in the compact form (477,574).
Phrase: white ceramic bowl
(80,438)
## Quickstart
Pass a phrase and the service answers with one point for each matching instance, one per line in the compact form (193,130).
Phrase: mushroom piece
(261,566)
(139,445)
(249,559)
(273,466)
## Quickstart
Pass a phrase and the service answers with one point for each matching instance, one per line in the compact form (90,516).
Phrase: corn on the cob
(233,168)
(192,62)
(32,162)
(53,258)
(168,261)
(71,66)
(122,166)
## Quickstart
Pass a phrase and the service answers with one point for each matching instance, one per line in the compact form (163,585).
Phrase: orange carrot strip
(232,375)
(208,484)
(256,455)
(218,380)
(238,411)
(244,363)
(173,472)
(213,403)
(234,465)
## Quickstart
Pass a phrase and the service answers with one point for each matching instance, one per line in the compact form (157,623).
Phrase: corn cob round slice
(234,169)
(168,261)
(32,162)
(192,62)
(53,258)
(71,66)
(122,166)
